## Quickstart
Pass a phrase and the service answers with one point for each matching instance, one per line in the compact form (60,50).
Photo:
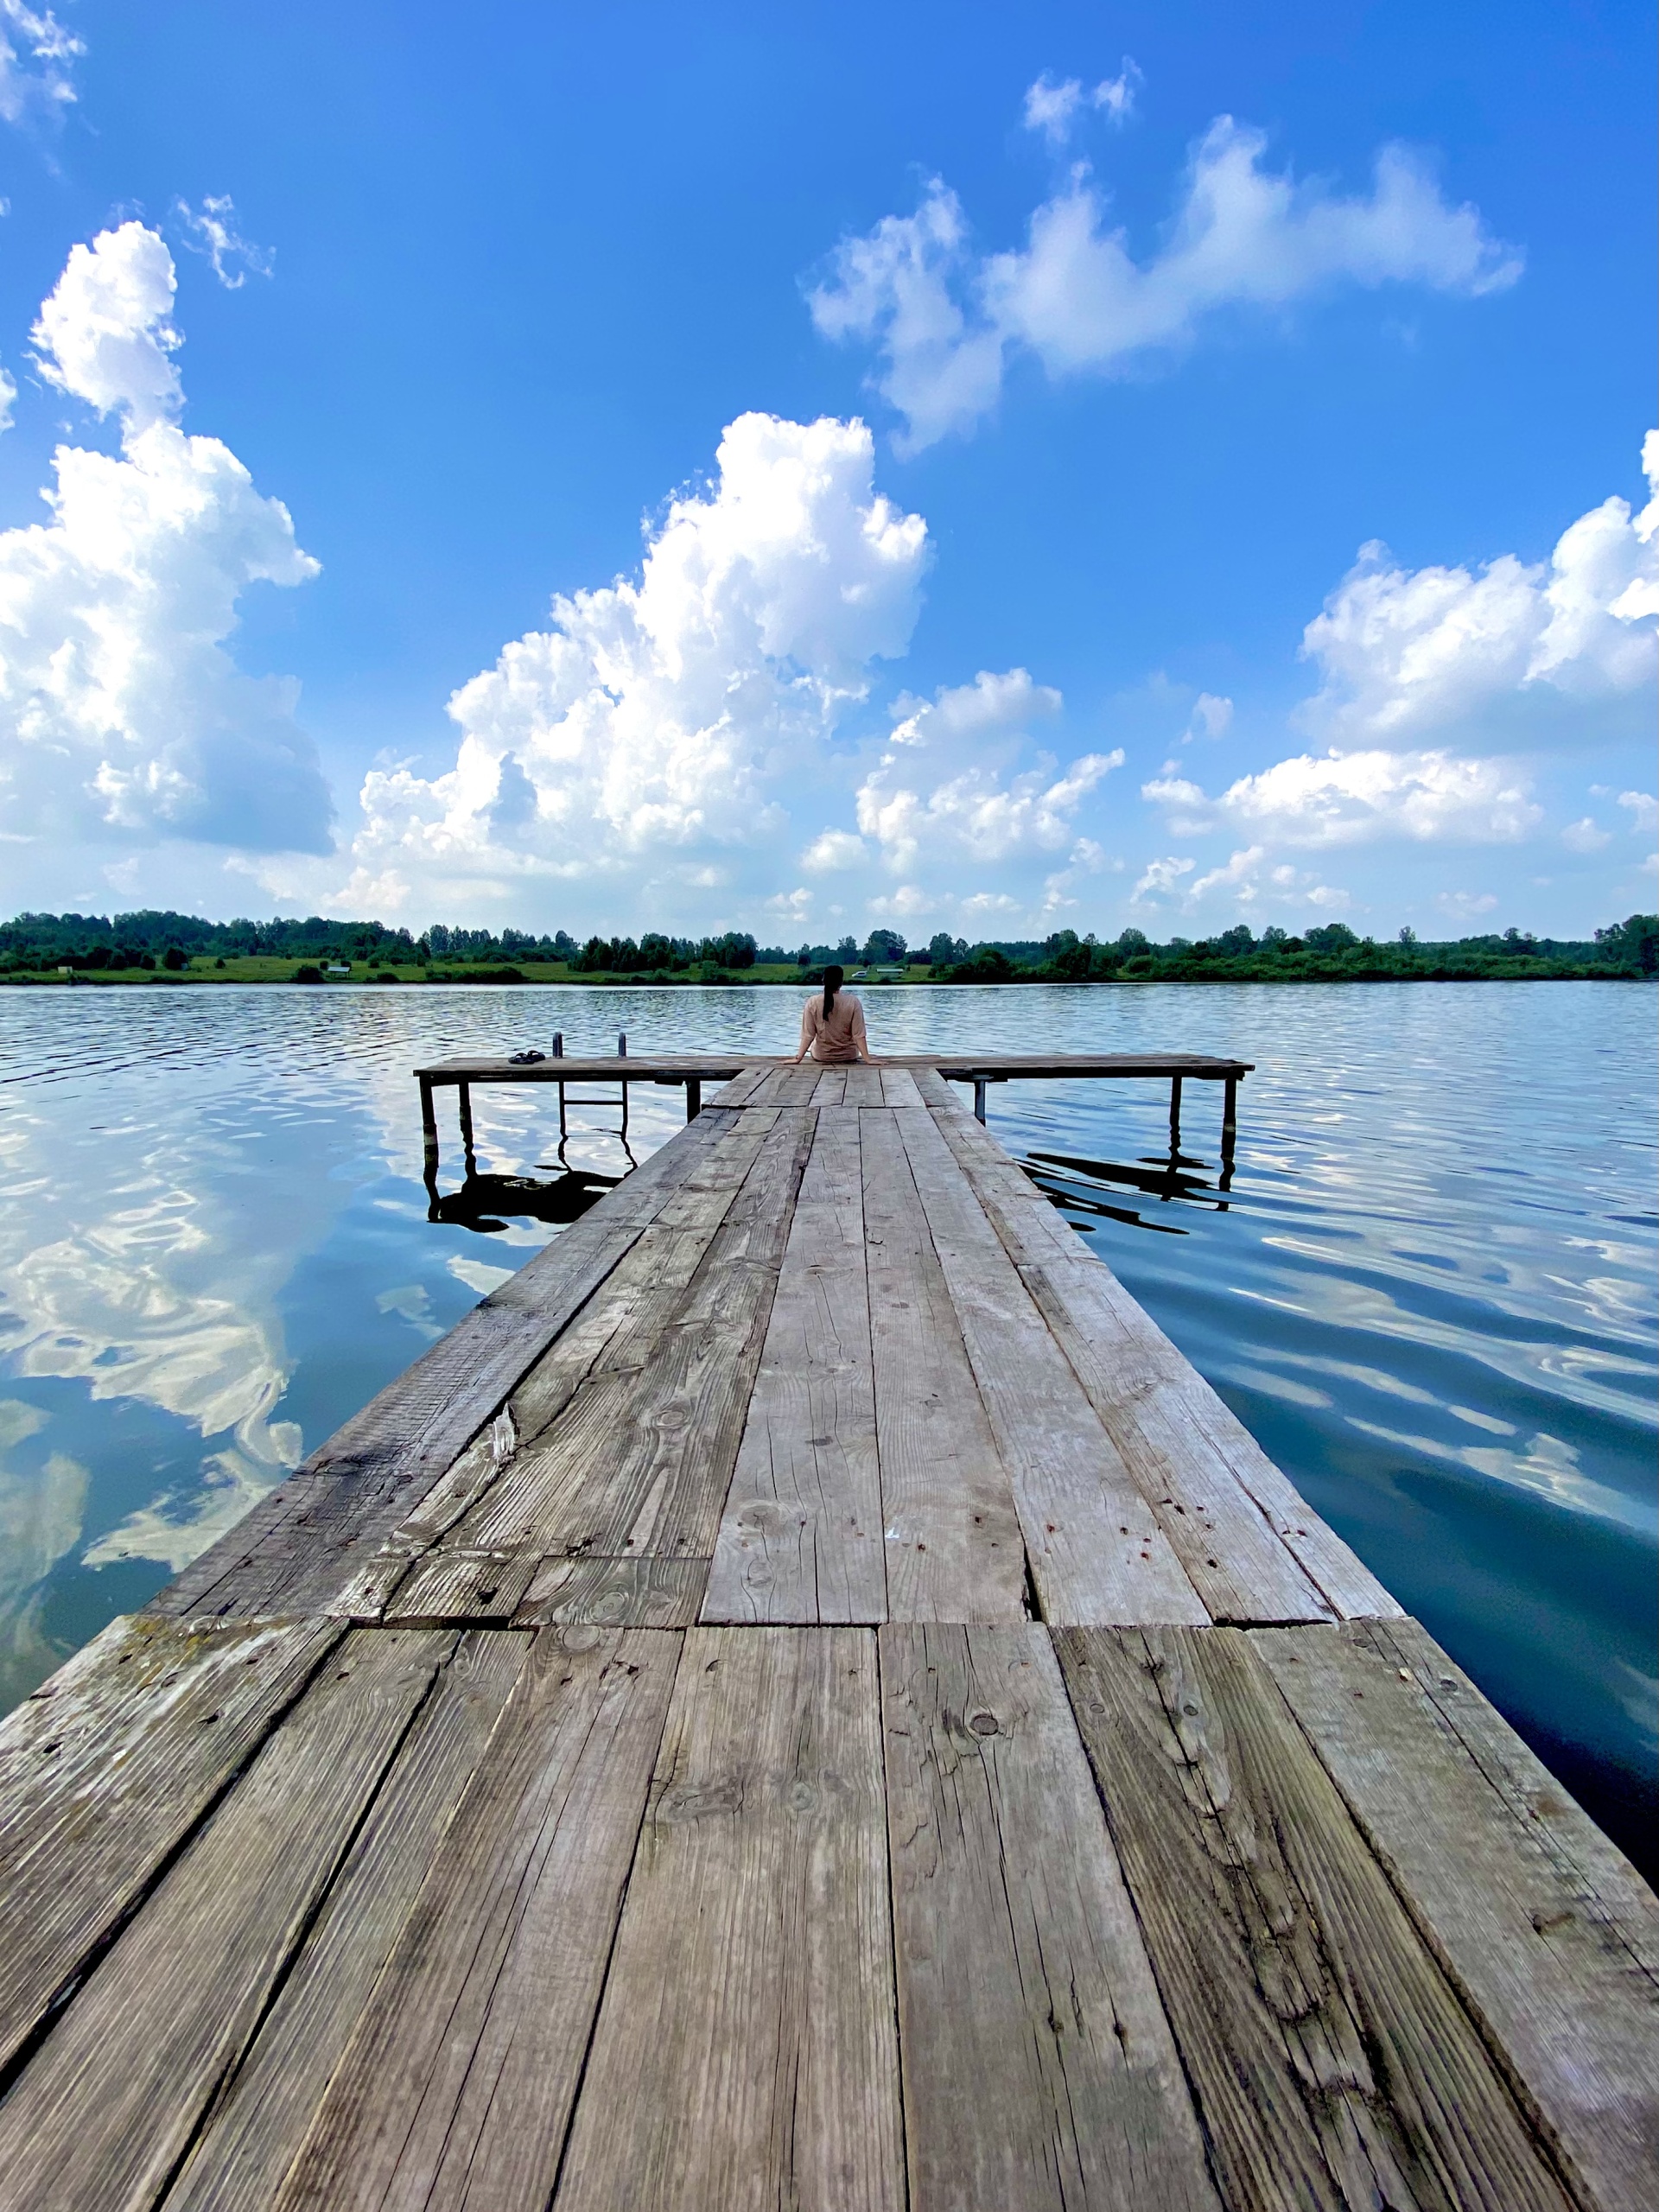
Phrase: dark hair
(833,980)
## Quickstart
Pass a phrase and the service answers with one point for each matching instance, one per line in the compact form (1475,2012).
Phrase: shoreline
(737,980)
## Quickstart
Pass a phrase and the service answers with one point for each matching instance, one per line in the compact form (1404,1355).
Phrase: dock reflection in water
(1074,1186)
(486,1203)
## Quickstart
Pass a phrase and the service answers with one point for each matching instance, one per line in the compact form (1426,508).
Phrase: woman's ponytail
(833,979)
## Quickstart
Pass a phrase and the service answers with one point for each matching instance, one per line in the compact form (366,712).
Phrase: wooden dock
(803,1699)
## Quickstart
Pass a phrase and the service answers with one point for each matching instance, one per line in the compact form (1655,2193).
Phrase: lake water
(1429,1289)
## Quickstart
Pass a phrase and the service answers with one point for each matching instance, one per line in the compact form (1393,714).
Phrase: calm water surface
(1429,1289)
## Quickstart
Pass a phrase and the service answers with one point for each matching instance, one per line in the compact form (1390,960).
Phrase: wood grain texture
(952,1537)
(1254,1548)
(457,2085)
(640,1461)
(1554,1949)
(107,2107)
(745,2055)
(108,1767)
(460,1588)
(613,1336)
(1097,1552)
(800,1538)
(615,1592)
(899,1087)
(1331,2062)
(863,1086)
(1039,2071)
(262,2115)
(742,1087)
(830,1088)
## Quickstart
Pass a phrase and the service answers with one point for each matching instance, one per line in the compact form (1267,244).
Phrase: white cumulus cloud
(943,319)
(1353,798)
(105,334)
(834,850)
(947,789)
(121,713)
(658,722)
(1406,652)
(1407,656)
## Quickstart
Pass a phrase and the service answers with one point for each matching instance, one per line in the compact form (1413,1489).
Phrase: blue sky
(1001,469)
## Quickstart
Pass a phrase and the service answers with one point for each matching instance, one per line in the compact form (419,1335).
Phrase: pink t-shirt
(838,1035)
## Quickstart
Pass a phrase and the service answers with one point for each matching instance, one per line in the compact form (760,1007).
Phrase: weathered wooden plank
(107,2107)
(830,1088)
(1331,2062)
(801,1536)
(1039,2067)
(457,2084)
(612,1334)
(1097,1552)
(461,1588)
(615,1592)
(641,1459)
(951,1534)
(742,1087)
(745,2053)
(899,1087)
(1254,1548)
(1558,1964)
(108,1767)
(863,1086)
(795,1086)
(262,2116)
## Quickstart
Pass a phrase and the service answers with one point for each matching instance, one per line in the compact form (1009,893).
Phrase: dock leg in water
(428,1126)
(979,1097)
(693,1097)
(1174,1116)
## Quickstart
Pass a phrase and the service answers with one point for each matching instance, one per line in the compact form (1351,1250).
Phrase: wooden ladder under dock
(803,1698)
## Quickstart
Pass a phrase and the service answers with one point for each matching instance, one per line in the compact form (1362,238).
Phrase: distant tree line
(1332,952)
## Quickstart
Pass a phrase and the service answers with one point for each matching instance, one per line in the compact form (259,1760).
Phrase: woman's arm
(860,1040)
(808,1029)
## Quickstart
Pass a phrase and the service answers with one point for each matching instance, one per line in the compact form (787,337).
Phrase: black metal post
(693,1096)
(979,1097)
(1175,1114)
(464,1101)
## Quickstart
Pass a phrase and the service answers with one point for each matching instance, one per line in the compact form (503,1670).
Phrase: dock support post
(428,1126)
(464,1100)
(1174,1114)
(979,1097)
(693,1096)
(1229,1115)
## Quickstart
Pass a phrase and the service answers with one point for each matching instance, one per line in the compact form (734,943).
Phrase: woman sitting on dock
(832,1028)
